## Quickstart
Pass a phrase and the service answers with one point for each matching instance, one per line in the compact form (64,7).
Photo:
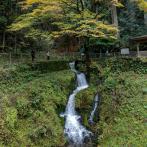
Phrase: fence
(11,58)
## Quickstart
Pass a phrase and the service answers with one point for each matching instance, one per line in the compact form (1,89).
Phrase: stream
(74,131)
(95,107)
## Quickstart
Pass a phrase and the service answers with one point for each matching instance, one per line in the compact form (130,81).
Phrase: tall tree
(143,6)
(131,21)
(68,21)
(114,15)
(8,11)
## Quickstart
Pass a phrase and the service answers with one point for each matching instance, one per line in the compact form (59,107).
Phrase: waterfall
(72,67)
(75,132)
(96,103)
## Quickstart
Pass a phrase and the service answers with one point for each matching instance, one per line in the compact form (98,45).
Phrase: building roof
(139,39)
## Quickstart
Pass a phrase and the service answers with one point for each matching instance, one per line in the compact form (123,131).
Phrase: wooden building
(137,41)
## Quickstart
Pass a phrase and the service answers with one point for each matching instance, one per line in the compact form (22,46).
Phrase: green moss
(33,98)
(30,100)
(11,117)
(123,113)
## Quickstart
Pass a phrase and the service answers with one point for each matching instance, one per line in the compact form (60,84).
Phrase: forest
(73,73)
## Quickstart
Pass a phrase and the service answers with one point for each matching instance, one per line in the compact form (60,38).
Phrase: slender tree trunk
(4,39)
(78,6)
(93,6)
(115,17)
(15,44)
(82,4)
(145,18)
(87,59)
(88,62)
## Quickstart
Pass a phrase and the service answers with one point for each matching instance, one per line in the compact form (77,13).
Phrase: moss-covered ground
(123,115)
(31,100)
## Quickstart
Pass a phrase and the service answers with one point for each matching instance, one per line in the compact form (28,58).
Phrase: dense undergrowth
(123,115)
(32,99)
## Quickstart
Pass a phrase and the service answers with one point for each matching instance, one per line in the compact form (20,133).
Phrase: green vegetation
(123,108)
(33,98)
(33,93)
(45,24)
(31,101)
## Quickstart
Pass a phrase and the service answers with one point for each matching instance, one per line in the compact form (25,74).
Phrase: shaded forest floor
(32,99)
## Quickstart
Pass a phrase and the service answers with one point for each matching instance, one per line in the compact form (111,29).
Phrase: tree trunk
(145,18)
(93,6)
(15,44)
(82,4)
(4,38)
(87,60)
(78,6)
(114,17)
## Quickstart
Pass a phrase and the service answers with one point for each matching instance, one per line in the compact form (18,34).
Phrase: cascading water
(75,132)
(96,103)
(72,67)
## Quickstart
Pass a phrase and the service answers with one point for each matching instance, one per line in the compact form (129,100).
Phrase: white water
(75,132)
(96,101)
(72,66)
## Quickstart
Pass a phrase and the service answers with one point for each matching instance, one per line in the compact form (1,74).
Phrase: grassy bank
(123,84)
(30,102)
(33,98)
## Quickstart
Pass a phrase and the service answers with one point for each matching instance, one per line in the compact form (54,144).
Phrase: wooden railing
(11,58)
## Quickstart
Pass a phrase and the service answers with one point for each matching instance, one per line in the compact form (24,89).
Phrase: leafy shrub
(122,103)
(30,100)
(23,108)
(11,117)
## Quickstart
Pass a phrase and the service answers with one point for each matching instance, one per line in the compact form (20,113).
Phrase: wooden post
(138,50)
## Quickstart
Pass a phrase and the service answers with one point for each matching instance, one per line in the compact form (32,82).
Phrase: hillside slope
(32,100)
(123,115)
